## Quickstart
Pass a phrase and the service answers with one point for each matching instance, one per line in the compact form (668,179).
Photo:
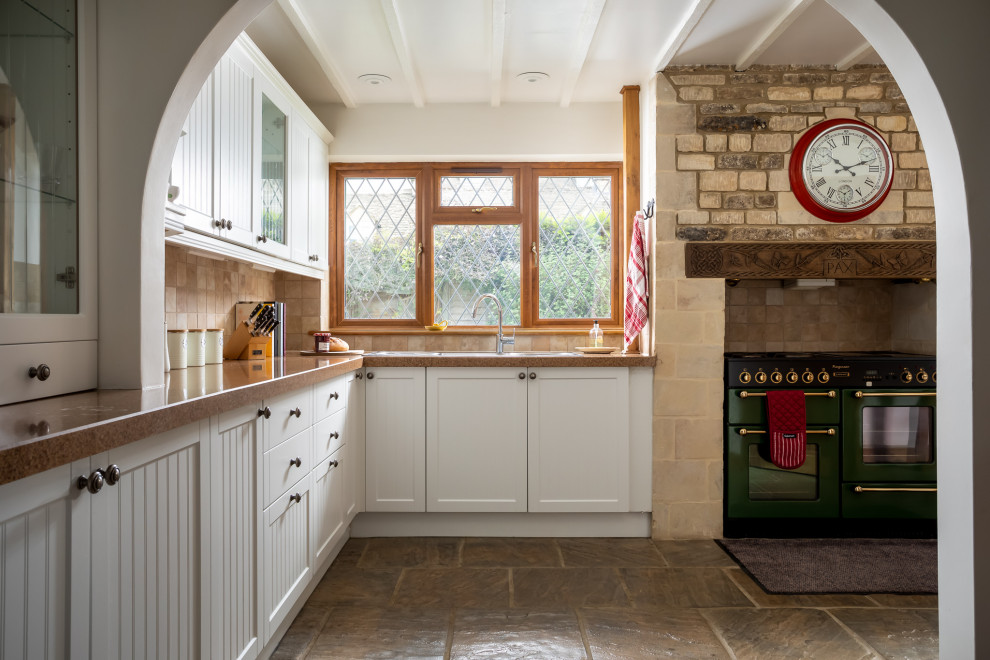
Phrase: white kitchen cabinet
(319,202)
(233,545)
(309,177)
(476,439)
(271,184)
(287,560)
(44,565)
(395,427)
(328,503)
(235,125)
(194,163)
(146,550)
(579,439)
(354,475)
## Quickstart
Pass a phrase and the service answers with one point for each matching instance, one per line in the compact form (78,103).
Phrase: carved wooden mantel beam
(862,260)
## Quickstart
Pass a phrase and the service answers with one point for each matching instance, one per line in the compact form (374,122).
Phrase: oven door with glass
(888,454)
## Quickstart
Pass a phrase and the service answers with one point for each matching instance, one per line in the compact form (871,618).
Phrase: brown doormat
(838,566)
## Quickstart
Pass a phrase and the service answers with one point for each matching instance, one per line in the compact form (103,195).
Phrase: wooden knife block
(245,346)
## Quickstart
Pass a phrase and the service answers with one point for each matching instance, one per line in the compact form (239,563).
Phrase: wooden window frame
(429,214)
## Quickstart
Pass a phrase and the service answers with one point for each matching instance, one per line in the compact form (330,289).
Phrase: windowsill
(481,332)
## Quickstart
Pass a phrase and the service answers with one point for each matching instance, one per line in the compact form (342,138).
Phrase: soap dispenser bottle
(595,337)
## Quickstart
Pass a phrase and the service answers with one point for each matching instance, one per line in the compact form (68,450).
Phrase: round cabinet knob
(220,224)
(41,372)
(532,375)
(296,461)
(906,376)
(334,463)
(359,375)
(761,377)
(823,377)
(808,377)
(265,412)
(262,239)
(296,498)
(230,224)
(112,475)
(792,377)
(371,375)
(335,435)
(776,377)
(296,412)
(335,396)
(921,376)
(314,257)
(522,376)
(93,483)
(745,377)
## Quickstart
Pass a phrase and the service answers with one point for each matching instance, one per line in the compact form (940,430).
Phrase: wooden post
(630,169)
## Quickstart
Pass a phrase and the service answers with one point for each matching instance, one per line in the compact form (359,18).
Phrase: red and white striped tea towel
(786,419)
(637,296)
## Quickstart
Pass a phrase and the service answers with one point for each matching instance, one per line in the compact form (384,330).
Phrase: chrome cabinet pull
(809,432)
(265,412)
(296,461)
(93,483)
(296,498)
(862,489)
(296,412)
(745,395)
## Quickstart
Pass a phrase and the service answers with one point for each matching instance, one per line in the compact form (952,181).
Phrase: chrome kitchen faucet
(500,340)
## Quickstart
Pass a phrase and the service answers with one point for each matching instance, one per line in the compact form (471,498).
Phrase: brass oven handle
(813,432)
(860,489)
(745,395)
(863,395)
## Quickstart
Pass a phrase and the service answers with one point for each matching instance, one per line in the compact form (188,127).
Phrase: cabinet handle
(296,498)
(314,257)
(532,375)
(296,412)
(335,395)
(265,412)
(220,224)
(112,474)
(335,435)
(522,376)
(371,374)
(334,463)
(262,239)
(230,224)
(41,372)
(359,376)
(296,461)
(93,483)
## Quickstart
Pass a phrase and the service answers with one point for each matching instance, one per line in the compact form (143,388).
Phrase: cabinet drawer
(72,366)
(330,396)
(329,436)
(281,468)
(752,409)
(284,422)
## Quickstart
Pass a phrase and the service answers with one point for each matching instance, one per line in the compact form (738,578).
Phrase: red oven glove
(786,423)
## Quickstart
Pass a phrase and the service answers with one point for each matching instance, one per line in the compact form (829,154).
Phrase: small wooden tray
(596,350)
(352,351)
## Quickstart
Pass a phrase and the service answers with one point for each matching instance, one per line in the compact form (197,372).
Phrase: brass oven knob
(906,376)
(761,377)
(792,377)
(934,376)
(776,377)
(823,377)
(745,377)
(921,376)
(808,377)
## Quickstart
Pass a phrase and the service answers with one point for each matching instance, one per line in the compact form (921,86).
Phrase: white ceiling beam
(591,16)
(853,57)
(776,28)
(680,35)
(403,51)
(498,50)
(304,27)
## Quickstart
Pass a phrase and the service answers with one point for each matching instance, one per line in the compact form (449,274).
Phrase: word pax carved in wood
(914,259)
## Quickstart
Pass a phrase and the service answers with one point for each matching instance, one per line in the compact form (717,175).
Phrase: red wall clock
(841,170)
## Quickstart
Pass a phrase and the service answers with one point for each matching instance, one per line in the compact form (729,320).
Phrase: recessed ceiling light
(533,77)
(375,79)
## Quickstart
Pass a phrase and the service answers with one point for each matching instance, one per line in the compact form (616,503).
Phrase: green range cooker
(870,465)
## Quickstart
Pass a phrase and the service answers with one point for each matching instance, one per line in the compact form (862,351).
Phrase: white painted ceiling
(473,51)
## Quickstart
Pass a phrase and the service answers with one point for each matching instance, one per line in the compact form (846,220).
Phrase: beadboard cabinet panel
(194,162)
(287,561)
(235,156)
(328,503)
(395,424)
(354,433)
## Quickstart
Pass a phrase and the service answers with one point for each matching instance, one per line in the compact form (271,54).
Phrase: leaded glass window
(477,191)
(471,260)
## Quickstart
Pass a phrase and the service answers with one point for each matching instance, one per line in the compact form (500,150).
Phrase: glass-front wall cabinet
(273,155)
(39,269)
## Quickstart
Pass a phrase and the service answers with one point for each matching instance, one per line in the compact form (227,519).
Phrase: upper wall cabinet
(244,168)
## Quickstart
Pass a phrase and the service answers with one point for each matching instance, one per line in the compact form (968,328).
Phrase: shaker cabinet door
(395,426)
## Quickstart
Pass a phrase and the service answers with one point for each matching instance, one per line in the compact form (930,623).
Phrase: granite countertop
(39,435)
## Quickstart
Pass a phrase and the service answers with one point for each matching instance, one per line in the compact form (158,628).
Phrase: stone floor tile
(927,601)
(420,552)
(509,552)
(897,634)
(453,587)
(609,552)
(694,553)
(511,634)
(351,553)
(301,634)
(682,587)
(625,635)
(551,588)
(763,599)
(366,586)
(784,634)
(365,632)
